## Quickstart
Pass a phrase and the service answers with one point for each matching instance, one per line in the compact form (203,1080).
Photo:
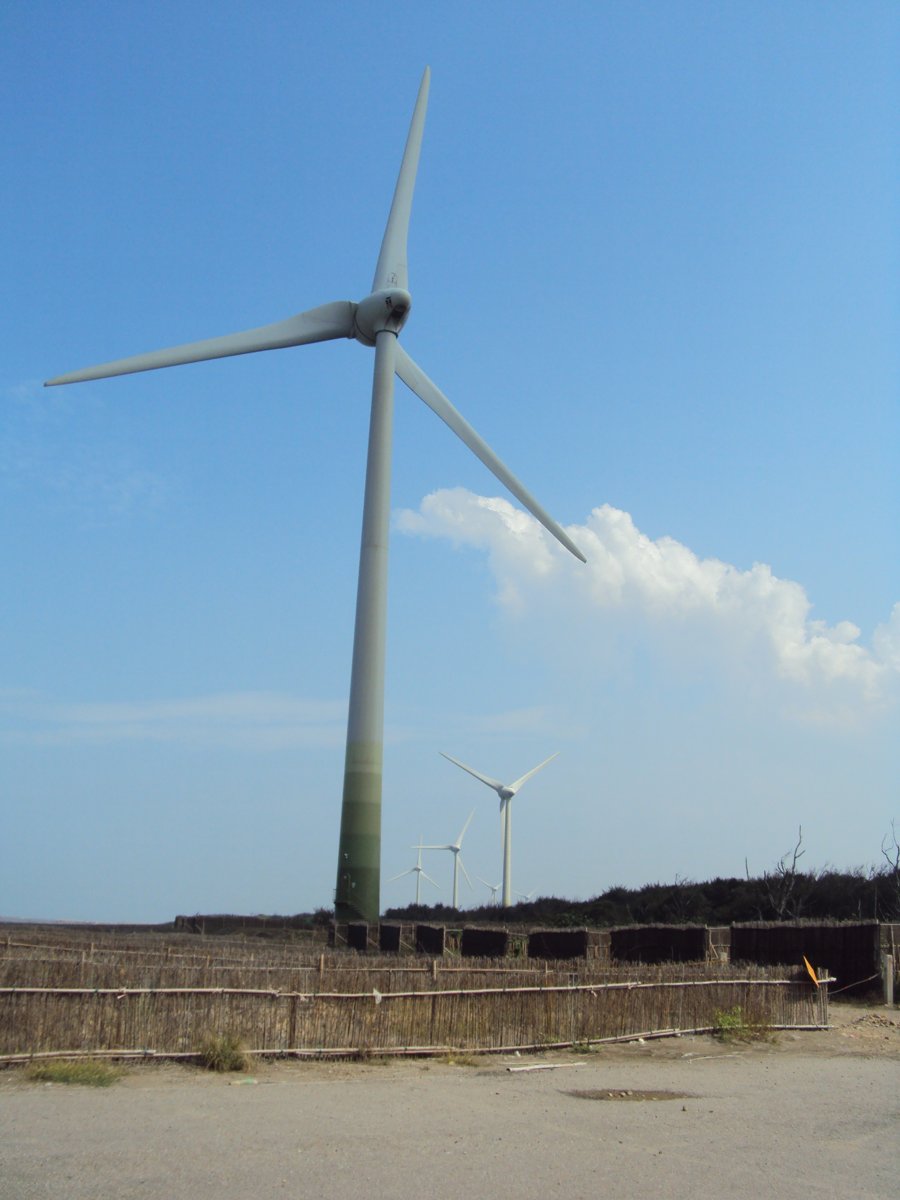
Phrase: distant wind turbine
(493,888)
(454,848)
(418,870)
(506,792)
(374,321)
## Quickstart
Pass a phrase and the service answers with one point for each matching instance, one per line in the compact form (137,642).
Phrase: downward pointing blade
(514,787)
(392,269)
(462,867)
(492,783)
(320,324)
(417,381)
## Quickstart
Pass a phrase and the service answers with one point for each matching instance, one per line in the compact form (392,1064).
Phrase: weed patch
(731,1025)
(461,1059)
(88,1072)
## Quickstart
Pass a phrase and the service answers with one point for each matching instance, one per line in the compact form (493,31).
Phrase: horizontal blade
(492,783)
(392,269)
(417,381)
(316,325)
(514,787)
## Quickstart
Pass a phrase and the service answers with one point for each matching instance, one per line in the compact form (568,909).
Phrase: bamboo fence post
(292,1028)
(887,978)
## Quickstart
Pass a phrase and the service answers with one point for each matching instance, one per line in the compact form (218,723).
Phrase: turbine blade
(429,393)
(462,867)
(430,880)
(315,325)
(514,787)
(411,871)
(392,269)
(436,847)
(492,783)
(465,827)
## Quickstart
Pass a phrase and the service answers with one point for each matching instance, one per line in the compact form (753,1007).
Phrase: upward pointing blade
(492,783)
(417,381)
(320,324)
(514,787)
(464,828)
(392,269)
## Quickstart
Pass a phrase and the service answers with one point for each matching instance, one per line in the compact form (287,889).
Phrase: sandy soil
(808,1114)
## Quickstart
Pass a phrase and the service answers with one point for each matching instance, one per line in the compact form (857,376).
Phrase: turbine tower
(418,870)
(454,848)
(505,791)
(376,322)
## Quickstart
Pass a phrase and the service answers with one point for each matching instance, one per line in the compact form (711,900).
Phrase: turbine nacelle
(386,309)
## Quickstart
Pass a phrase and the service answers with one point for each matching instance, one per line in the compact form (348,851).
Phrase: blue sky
(654,261)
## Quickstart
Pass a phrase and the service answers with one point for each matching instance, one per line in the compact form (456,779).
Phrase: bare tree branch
(781,884)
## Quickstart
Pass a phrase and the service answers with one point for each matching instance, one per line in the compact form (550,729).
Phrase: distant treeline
(784,895)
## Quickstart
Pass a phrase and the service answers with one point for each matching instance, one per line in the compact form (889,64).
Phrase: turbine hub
(382,310)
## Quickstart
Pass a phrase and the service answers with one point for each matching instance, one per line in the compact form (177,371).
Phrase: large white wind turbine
(454,848)
(505,791)
(418,870)
(375,321)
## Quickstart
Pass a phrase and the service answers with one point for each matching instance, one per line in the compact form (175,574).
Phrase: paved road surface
(814,1118)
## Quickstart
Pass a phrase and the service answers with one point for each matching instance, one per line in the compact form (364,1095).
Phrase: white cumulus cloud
(751,615)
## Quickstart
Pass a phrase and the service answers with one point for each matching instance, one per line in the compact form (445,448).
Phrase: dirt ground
(805,1114)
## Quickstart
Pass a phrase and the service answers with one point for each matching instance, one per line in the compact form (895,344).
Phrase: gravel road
(808,1115)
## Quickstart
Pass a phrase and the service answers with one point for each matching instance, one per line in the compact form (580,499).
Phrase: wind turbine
(454,848)
(418,870)
(505,791)
(493,888)
(375,321)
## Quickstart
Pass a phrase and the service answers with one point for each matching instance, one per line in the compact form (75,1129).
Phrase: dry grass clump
(89,1072)
(223,1052)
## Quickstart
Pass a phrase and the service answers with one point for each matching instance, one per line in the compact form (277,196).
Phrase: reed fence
(113,965)
(173,1021)
(161,994)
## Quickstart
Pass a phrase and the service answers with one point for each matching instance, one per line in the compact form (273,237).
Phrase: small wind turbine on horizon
(454,848)
(493,888)
(418,870)
(375,321)
(506,792)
